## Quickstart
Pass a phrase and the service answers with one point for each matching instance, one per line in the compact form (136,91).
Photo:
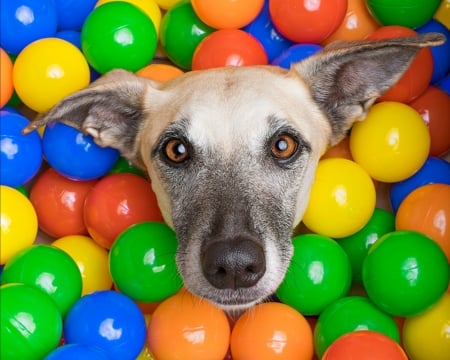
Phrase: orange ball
(159,72)
(187,327)
(418,76)
(357,24)
(272,330)
(340,150)
(6,79)
(427,210)
(227,14)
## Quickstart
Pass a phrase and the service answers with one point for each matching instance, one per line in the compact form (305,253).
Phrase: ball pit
(179,29)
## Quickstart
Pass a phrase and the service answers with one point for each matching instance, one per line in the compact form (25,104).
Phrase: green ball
(49,269)
(357,245)
(405,273)
(181,32)
(30,323)
(142,262)
(352,313)
(408,13)
(118,35)
(319,273)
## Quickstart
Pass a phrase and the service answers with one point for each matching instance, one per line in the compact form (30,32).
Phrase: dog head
(232,152)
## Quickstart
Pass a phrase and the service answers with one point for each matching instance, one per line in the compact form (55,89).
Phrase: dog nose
(234,264)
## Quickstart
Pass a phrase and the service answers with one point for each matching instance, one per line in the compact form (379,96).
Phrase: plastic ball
(75,155)
(405,273)
(264,31)
(59,203)
(228,47)
(357,23)
(123,165)
(417,77)
(24,21)
(444,84)
(441,53)
(434,170)
(160,72)
(116,202)
(364,345)
(342,198)
(319,273)
(30,323)
(107,320)
(340,150)
(167,4)
(21,155)
(181,32)
(295,54)
(405,13)
(358,244)
(6,82)
(227,14)
(434,107)
(77,352)
(199,329)
(19,225)
(427,210)
(118,34)
(142,262)
(73,13)
(48,70)
(392,142)
(149,7)
(426,336)
(272,330)
(306,21)
(91,259)
(49,269)
(348,314)
(443,13)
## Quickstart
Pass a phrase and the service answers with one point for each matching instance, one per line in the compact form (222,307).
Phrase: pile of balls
(87,264)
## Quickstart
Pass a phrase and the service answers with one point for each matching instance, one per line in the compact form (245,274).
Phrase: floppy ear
(347,77)
(111,110)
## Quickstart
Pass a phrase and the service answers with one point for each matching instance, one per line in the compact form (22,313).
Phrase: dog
(232,152)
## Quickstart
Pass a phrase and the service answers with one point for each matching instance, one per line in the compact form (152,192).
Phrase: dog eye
(284,146)
(176,151)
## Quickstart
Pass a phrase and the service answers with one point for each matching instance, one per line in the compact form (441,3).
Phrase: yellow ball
(18,223)
(392,143)
(47,70)
(167,4)
(150,7)
(92,260)
(443,13)
(427,336)
(342,198)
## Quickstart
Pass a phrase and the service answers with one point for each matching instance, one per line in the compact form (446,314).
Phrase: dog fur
(232,152)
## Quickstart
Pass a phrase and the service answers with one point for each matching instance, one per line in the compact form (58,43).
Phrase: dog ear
(346,78)
(111,110)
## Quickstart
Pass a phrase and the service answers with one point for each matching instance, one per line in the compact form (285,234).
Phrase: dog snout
(233,264)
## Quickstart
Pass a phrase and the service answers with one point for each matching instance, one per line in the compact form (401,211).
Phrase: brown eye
(176,151)
(284,146)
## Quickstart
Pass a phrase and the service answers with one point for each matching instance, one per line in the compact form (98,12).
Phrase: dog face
(232,152)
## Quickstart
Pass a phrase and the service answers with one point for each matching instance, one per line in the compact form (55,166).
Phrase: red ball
(228,47)
(307,21)
(364,345)
(116,202)
(418,76)
(59,203)
(434,107)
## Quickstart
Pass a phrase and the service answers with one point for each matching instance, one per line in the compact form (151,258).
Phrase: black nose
(233,264)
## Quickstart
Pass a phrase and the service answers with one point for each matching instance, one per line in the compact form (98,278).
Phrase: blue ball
(441,53)
(108,320)
(295,54)
(264,31)
(24,21)
(77,352)
(72,13)
(21,155)
(75,155)
(444,84)
(434,171)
